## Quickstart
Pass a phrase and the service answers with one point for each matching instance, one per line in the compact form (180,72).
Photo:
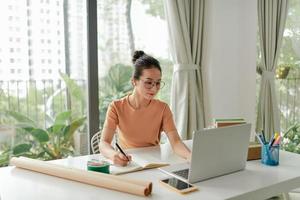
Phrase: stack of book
(254,150)
(228,122)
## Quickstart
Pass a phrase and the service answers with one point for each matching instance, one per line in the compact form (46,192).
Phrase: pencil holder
(270,155)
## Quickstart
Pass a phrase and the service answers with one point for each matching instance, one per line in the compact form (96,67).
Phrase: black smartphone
(178,185)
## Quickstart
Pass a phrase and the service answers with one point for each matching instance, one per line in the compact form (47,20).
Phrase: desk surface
(255,182)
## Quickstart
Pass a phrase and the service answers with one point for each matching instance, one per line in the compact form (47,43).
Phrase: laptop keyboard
(183,173)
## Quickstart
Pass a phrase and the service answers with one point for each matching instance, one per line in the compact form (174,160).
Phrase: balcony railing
(289,99)
(37,99)
(41,99)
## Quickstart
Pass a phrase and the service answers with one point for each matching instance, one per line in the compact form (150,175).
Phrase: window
(37,95)
(120,35)
(289,59)
(288,78)
(288,87)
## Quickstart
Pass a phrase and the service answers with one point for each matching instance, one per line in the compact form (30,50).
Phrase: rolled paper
(122,184)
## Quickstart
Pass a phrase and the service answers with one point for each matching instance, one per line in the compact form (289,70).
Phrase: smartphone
(178,185)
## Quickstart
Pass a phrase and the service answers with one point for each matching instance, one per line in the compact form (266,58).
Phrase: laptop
(215,152)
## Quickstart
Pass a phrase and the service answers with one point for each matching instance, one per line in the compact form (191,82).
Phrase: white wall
(229,58)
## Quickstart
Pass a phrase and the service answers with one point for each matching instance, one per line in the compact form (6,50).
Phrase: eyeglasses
(148,84)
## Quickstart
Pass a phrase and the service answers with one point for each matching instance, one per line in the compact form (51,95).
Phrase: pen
(277,141)
(259,139)
(273,139)
(263,134)
(122,151)
(262,139)
(271,142)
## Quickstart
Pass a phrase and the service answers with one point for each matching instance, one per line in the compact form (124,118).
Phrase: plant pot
(282,72)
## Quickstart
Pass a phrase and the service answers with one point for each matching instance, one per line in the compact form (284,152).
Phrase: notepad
(138,163)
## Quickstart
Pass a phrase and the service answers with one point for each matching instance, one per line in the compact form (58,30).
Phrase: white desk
(255,182)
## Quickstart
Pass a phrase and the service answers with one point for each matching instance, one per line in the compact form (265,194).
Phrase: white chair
(95,141)
(293,195)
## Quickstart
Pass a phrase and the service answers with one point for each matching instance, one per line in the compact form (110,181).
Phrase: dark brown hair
(143,61)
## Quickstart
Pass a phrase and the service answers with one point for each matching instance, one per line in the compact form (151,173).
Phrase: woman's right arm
(108,151)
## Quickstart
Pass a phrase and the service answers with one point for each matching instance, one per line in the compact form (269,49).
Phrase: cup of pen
(269,150)
(270,154)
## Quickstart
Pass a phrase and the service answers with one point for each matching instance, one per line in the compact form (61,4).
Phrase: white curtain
(271,21)
(185,25)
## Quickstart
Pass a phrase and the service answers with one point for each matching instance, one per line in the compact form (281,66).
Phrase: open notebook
(138,163)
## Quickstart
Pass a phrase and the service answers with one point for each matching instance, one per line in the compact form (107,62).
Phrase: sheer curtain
(185,25)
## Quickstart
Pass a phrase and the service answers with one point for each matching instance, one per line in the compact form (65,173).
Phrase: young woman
(139,117)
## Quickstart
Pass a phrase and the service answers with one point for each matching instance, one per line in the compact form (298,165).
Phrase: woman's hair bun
(137,55)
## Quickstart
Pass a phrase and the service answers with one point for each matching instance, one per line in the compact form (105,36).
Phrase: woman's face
(149,83)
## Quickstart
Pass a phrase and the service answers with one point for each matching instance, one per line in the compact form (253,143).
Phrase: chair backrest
(95,141)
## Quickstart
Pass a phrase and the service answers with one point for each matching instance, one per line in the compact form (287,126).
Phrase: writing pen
(120,149)
(264,137)
(259,139)
(275,136)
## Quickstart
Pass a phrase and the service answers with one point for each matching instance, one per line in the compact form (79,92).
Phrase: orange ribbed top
(139,127)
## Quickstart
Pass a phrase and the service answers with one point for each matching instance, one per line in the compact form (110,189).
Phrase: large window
(125,26)
(42,78)
(288,82)
(288,79)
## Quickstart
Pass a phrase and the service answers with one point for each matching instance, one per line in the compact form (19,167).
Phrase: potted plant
(282,70)
(291,139)
(54,142)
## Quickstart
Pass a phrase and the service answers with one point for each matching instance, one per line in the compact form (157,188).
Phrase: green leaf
(41,135)
(25,126)
(21,118)
(56,129)
(70,129)
(4,160)
(62,118)
(21,149)
(67,150)
(74,89)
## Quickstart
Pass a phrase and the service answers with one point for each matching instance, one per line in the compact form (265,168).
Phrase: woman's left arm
(178,146)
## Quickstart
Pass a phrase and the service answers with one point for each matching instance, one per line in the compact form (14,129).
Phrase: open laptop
(215,152)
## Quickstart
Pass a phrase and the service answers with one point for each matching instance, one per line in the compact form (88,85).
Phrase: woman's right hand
(119,159)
